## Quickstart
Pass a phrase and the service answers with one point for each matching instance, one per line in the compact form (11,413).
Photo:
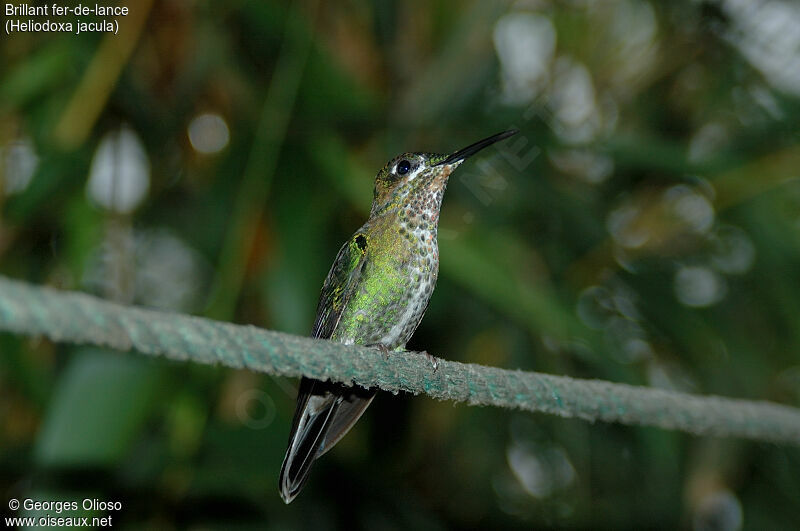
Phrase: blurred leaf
(32,78)
(98,409)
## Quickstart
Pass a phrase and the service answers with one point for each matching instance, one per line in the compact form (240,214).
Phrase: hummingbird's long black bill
(470,150)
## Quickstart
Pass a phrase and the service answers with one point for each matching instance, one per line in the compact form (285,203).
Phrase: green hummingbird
(375,294)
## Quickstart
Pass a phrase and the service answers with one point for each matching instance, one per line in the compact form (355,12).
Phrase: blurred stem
(490,273)
(774,169)
(453,72)
(102,74)
(262,161)
(120,286)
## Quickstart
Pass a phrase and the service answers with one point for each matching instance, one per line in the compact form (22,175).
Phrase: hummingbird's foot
(434,361)
(383,349)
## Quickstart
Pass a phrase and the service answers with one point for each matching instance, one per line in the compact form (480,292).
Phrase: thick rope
(79,318)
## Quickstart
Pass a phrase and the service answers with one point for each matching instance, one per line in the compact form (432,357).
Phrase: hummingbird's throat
(440,181)
(420,214)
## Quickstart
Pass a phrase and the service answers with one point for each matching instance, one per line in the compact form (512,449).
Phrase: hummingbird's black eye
(402,167)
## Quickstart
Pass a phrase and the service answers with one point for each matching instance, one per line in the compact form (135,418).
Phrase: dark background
(644,227)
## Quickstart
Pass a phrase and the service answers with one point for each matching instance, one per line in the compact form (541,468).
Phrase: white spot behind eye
(416,169)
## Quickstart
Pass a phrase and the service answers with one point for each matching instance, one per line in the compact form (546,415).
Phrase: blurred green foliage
(644,227)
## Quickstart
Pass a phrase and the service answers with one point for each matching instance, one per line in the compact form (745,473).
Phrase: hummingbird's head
(420,177)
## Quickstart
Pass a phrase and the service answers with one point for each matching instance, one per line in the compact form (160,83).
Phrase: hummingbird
(375,295)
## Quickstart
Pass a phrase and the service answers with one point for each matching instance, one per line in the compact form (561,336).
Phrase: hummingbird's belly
(390,300)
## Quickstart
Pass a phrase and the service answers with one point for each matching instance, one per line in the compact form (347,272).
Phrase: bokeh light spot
(208,133)
(120,172)
(699,286)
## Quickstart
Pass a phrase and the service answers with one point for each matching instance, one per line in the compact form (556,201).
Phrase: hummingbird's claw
(383,349)
(434,361)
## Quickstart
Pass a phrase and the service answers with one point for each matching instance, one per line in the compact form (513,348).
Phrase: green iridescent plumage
(375,294)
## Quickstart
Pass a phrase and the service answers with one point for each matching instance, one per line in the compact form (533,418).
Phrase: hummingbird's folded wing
(325,410)
(342,281)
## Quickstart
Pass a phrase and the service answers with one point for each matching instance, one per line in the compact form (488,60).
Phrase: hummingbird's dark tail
(325,413)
